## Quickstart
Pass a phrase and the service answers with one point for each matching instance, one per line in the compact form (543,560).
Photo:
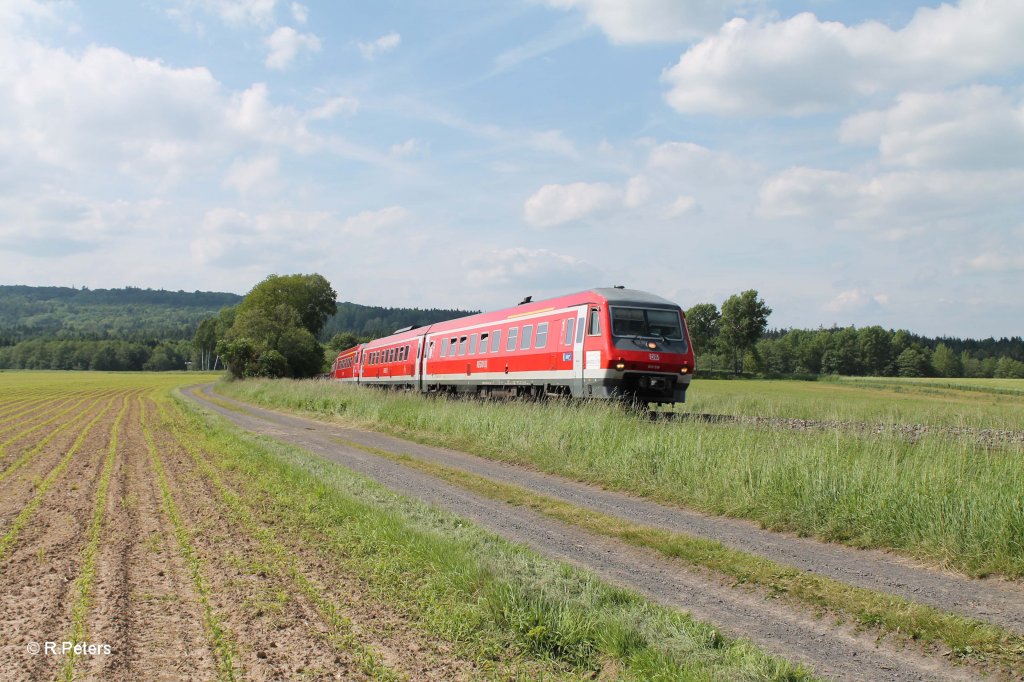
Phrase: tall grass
(943,499)
(495,601)
(972,403)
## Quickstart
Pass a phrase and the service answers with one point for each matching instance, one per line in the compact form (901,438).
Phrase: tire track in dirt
(832,650)
(43,557)
(392,636)
(997,601)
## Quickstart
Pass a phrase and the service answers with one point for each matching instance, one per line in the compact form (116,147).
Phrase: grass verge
(942,499)
(500,604)
(962,637)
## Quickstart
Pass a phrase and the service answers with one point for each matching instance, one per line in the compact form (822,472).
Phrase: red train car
(601,343)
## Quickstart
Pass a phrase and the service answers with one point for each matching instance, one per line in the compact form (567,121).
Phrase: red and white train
(603,343)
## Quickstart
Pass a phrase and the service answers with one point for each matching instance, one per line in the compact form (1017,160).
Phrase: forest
(151,329)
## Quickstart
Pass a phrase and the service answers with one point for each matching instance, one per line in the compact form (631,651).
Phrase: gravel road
(834,651)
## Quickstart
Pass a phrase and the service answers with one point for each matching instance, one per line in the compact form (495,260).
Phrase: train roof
(615,295)
(635,296)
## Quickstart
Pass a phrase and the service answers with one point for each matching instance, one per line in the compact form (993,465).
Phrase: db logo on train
(653,357)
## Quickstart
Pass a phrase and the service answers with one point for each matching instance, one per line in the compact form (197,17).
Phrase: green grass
(943,499)
(973,403)
(499,603)
(887,614)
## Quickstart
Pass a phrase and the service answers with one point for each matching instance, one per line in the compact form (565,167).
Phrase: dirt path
(996,601)
(835,651)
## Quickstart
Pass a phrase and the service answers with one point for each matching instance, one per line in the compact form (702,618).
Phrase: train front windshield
(650,322)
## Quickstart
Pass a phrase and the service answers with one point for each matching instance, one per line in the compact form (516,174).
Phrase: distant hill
(374,321)
(134,314)
(95,314)
(144,329)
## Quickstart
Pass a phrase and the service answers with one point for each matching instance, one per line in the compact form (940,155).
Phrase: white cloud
(102,113)
(897,204)
(368,222)
(974,127)
(409,148)
(259,241)
(644,21)
(695,163)
(546,270)
(59,222)
(803,65)
(333,107)
(638,191)
(557,204)
(14,14)
(300,13)
(855,300)
(257,173)
(238,12)
(996,262)
(553,141)
(385,43)
(285,44)
(682,206)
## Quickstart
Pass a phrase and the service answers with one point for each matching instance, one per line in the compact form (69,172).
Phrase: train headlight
(684,369)
(652,345)
(620,366)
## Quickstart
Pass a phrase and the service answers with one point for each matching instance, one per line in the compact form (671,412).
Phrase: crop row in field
(193,549)
(947,500)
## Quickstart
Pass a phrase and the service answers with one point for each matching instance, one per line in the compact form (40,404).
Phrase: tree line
(735,338)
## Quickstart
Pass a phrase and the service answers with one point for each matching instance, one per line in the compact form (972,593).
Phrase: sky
(855,162)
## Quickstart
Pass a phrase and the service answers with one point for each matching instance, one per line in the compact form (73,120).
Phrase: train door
(591,347)
(577,352)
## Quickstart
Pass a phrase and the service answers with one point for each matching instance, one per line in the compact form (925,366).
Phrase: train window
(452,343)
(579,332)
(462,346)
(628,322)
(595,322)
(524,343)
(444,347)
(482,348)
(472,344)
(430,350)
(570,327)
(542,335)
(495,340)
(513,336)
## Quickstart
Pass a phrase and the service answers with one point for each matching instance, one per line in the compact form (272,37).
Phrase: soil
(834,650)
(144,603)
(37,575)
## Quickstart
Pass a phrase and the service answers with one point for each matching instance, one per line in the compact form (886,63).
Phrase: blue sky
(855,162)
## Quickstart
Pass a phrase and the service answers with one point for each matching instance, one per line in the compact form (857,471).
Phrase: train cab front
(650,353)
